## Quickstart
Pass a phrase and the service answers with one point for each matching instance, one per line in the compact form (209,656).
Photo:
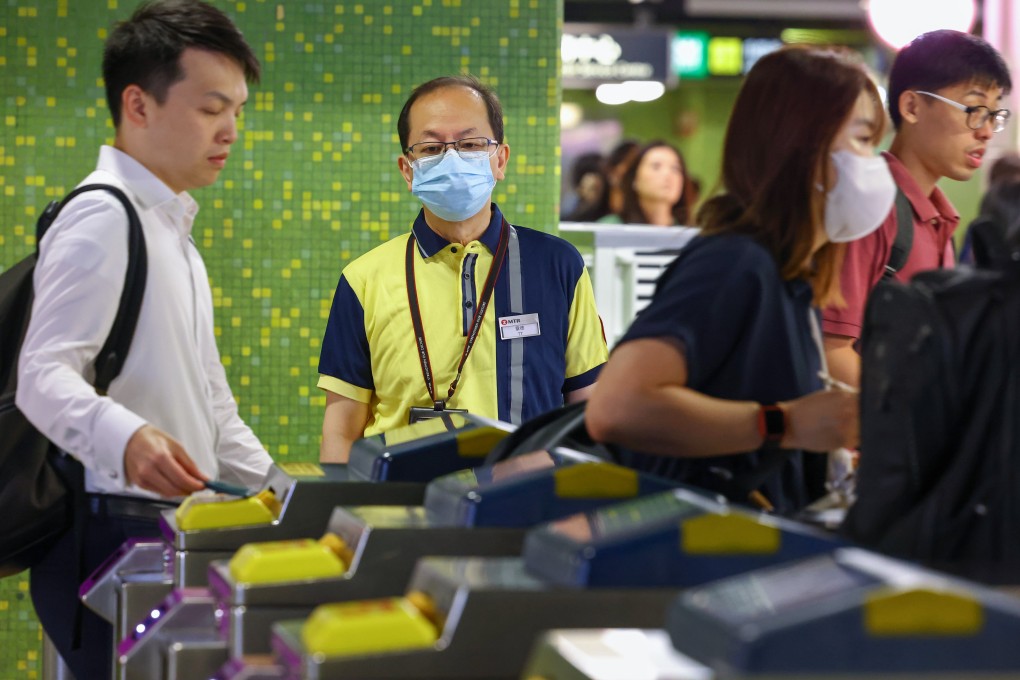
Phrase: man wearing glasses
(467,312)
(945,89)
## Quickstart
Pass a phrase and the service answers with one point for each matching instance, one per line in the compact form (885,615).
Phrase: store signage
(697,54)
(690,54)
(592,55)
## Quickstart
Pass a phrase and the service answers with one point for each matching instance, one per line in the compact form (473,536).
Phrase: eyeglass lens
(979,115)
(467,145)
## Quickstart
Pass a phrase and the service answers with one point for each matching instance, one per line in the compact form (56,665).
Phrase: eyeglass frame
(992,115)
(490,142)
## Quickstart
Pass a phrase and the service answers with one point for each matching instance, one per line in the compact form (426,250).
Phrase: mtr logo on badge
(520,326)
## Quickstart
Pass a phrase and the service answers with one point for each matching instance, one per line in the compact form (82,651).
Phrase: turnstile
(481,512)
(625,562)
(300,509)
(850,614)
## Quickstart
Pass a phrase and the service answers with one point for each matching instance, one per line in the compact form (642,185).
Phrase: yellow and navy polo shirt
(368,351)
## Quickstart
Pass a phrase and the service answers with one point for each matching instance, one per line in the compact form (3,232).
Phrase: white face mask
(862,198)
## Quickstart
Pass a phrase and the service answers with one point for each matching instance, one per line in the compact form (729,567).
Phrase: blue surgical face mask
(453,186)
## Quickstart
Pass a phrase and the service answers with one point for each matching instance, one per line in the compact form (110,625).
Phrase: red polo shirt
(935,220)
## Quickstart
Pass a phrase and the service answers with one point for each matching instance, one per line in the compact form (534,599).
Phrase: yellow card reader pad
(596,480)
(216,512)
(922,612)
(478,442)
(368,627)
(284,561)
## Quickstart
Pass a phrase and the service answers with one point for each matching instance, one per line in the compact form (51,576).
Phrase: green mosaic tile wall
(312,184)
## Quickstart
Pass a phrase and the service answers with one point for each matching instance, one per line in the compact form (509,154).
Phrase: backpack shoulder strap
(111,357)
(904,236)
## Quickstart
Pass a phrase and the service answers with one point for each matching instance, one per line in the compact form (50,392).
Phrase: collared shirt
(935,220)
(368,352)
(746,335)
(172,378)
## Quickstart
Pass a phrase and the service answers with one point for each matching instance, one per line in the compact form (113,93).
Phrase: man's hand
(155,461)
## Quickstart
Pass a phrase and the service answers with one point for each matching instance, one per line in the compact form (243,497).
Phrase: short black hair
(146,49)
(943,58)
(492,105)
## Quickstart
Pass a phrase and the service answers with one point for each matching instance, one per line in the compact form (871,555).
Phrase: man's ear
(502,158)
(909,104)
(405,170)
(134,106)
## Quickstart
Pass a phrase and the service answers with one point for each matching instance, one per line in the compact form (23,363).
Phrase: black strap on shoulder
(111,357)
(904,235)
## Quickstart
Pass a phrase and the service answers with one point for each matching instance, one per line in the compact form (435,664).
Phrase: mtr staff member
(466,311)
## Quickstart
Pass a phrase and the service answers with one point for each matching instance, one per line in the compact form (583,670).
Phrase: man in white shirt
(176,77)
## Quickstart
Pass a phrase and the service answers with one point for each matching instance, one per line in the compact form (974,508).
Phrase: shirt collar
(926,208)
(150,191)
(430,243)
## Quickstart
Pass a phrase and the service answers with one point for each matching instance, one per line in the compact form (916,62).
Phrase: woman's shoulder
(731,249)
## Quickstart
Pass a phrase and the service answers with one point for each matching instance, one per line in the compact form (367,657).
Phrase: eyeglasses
(468,145)
(977,116)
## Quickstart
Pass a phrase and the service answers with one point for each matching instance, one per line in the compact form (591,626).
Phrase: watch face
(775,423)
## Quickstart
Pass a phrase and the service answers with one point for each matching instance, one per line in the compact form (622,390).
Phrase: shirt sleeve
(586,338)
(863,265)
(704,301)
(345,361)
(78,282)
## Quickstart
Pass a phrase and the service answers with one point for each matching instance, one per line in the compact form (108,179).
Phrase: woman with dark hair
(720,381)
(993,238)
(590,182)
(654,188)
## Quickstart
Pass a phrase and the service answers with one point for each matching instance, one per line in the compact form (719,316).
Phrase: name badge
(519,326)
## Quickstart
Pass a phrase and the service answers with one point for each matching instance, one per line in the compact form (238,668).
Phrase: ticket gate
(478,617)
(852,613)
(296,500)
(405,460)
(481,512)
(427,449)
(371,551)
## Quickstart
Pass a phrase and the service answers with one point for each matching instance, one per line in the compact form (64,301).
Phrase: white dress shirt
(172,379)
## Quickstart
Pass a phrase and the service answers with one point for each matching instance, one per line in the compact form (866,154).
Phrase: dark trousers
(87,650)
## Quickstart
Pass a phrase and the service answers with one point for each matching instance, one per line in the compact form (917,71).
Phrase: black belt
(127,506)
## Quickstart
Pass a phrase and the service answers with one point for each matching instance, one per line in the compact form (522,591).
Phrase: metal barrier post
(53,667)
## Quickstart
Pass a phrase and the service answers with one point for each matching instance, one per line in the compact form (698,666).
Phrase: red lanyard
(476,320)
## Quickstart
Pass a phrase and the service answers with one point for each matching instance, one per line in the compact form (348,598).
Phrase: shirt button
(113,474)
(935,221)
(467,276)
(468,304)
(453,250)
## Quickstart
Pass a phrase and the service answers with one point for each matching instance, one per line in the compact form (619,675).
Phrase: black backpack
(38,483)
(939,476)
